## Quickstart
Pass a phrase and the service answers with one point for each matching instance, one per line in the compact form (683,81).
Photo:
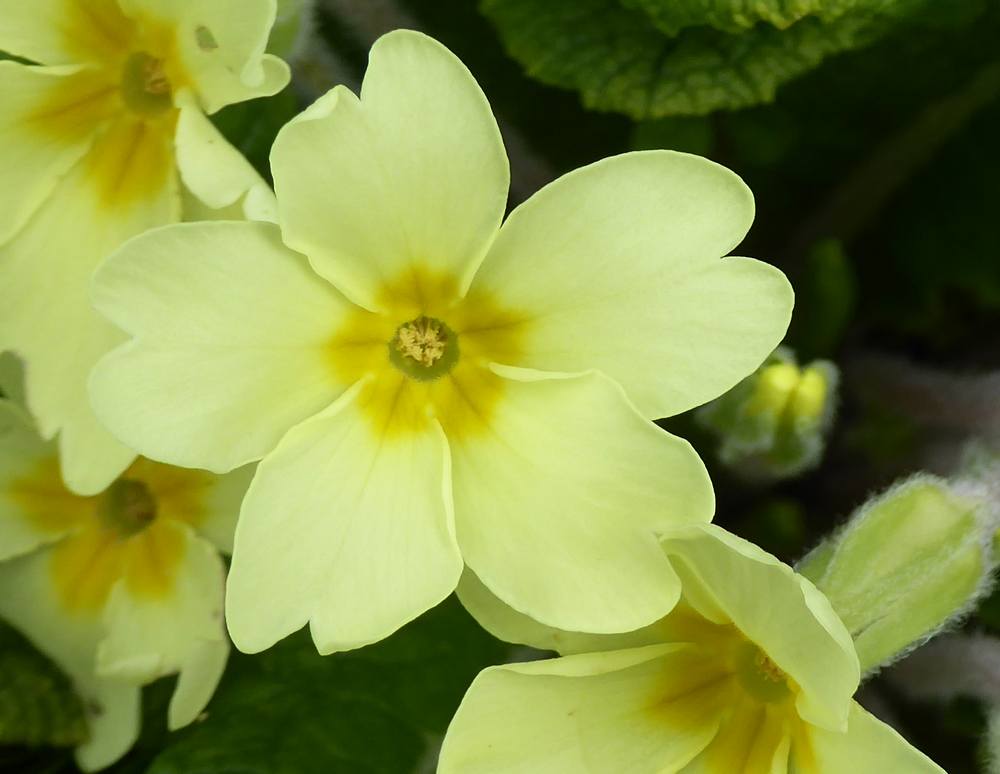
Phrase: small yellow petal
(47,503)
(75,107)
(151,560)
(180,493)
(132,161)
(85,566)
(96,30)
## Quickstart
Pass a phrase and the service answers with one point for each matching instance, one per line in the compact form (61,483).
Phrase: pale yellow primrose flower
(426,387)
(105,139)
(752,673)
(118,589)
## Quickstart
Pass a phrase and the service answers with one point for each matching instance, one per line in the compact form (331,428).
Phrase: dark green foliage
(38,705)
(691,134)
(381,709)
(653,58)
(942,241)
(826,298)
(252,126)
(735,16)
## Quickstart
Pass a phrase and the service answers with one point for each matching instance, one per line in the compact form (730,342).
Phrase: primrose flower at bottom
(752,673)
(427,388)
(120,588)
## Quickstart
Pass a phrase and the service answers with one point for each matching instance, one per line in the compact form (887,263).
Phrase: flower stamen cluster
(145,87)
(422,340)
(424,349)
(128,506)
(760,677)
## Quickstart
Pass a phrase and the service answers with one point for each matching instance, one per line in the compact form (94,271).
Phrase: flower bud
(908,563)
(773,425)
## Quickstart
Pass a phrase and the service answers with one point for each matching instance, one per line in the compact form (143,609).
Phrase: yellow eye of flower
(145,87)
(424,348)
(128,507)
(759,676)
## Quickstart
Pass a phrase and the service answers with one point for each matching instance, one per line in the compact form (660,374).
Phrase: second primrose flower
(105,137)
(428,389)
(120,588)
(752,673)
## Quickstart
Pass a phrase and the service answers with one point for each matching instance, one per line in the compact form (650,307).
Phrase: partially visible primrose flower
(426,387)
(106,138)
(118,589)
(752,673)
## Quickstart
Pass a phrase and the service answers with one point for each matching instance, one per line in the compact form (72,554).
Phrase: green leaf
(380,709)
(672,16)
(683,58)
(38,705)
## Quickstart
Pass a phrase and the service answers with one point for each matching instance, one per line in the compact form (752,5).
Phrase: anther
(128,506)
(424,348)
(145,87)
(422,339)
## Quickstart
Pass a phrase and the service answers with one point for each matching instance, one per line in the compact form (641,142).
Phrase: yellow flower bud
(775,386)
(773,424)
(906,564)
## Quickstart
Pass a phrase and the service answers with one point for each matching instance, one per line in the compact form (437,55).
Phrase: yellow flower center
(130,532)
(145,87)
(418,367)
(759,675)
(422,340)
(128,507)
(768,669)
(424,348)
(123,107)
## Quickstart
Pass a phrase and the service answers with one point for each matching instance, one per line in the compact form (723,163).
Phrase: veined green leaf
(672,16)
(722,55)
